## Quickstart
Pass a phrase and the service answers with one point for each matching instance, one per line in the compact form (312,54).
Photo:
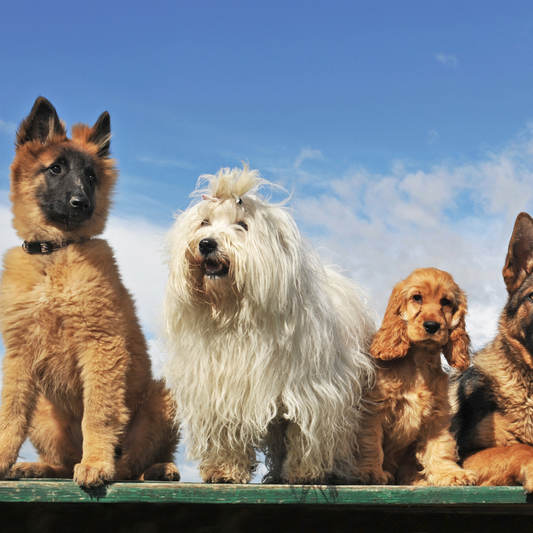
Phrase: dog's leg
(58,441)
(276,451)
(18,401)
(105,415)
(503,466)
(305,464)
(370,457)
(228,465)
(151,439)
(408,469)
(437,453)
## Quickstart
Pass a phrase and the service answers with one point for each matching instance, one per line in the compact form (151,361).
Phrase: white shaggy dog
(267,348)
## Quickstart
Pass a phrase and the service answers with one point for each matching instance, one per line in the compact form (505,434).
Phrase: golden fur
(77,377)
(493,400)
(404,436)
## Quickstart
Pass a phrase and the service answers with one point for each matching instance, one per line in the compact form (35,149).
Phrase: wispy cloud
(8,128)
(448,60)
(167,162)
(432,136)
(457,218)
(307,153)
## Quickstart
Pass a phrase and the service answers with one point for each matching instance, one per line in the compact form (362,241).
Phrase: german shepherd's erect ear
(40,125)
(519,262)
(101,134)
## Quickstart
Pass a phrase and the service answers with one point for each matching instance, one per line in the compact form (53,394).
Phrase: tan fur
(503,466)
(404,436)
(77,377)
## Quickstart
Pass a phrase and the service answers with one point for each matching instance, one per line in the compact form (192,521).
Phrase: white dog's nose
(207,246)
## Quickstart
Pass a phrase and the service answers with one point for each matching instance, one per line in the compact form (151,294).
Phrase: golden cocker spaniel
(404,436)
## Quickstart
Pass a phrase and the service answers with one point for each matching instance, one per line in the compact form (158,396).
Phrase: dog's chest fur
(52,302)
(406,399)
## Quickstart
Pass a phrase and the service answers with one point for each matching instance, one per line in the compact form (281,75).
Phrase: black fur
(39,123)
(475,403)
(67,196)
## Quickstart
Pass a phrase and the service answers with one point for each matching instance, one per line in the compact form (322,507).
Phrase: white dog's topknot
(229,183)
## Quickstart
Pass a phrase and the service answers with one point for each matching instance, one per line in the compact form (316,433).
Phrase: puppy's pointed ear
(41,124)
(519,262)
(391,340)
(457,349)
(101,134)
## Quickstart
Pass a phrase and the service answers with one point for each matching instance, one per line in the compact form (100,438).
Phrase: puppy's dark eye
(91,178)
(55,169)
(445,302)
(206,222)
(417,298)
(243,225)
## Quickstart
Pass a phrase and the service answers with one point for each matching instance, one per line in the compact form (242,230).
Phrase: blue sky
(403,129)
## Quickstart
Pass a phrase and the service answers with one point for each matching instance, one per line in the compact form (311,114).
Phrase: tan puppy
(404,436)
(77,377)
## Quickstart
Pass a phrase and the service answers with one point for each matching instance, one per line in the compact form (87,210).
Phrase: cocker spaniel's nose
(431,327)
(207,246)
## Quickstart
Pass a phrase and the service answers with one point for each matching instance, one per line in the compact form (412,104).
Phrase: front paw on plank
(89,476)
(29,470)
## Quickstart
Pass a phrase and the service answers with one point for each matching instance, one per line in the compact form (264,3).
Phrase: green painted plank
(65,491)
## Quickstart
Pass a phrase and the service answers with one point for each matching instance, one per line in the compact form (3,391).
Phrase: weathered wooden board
(49,506)
(65,491)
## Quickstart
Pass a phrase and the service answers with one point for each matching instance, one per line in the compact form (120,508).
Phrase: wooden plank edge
(65,491)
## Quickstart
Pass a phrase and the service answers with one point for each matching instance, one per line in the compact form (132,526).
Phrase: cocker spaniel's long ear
(457,350)
(391,340)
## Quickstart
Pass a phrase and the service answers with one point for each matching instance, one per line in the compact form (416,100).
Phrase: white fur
(271,356)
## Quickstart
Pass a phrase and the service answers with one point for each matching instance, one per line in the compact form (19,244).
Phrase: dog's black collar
(45,247)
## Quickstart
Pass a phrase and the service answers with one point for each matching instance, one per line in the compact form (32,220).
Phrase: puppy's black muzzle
(207,246)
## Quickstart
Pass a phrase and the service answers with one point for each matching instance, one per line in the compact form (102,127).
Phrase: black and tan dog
(77,377)
(493,399)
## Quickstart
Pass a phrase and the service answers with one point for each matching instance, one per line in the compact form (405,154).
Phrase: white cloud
(167,162)
(447,60)
(9,128)
(433,135)
(138,247)
(456,218)
(307,153)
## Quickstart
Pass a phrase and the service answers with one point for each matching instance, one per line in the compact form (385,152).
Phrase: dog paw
(456,478)
(29,470)
(217,475)
(162,472)
(376,477)
(92,476)
(526,478)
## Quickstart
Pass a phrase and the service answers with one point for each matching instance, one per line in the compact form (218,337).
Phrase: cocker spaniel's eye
(417,298)
(445,302)
(205,223)
(243,225)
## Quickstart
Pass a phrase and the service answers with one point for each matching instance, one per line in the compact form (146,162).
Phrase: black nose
(80,203)
(207,246)
(431,327)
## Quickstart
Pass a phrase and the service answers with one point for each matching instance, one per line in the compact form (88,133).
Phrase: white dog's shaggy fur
(268,349)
